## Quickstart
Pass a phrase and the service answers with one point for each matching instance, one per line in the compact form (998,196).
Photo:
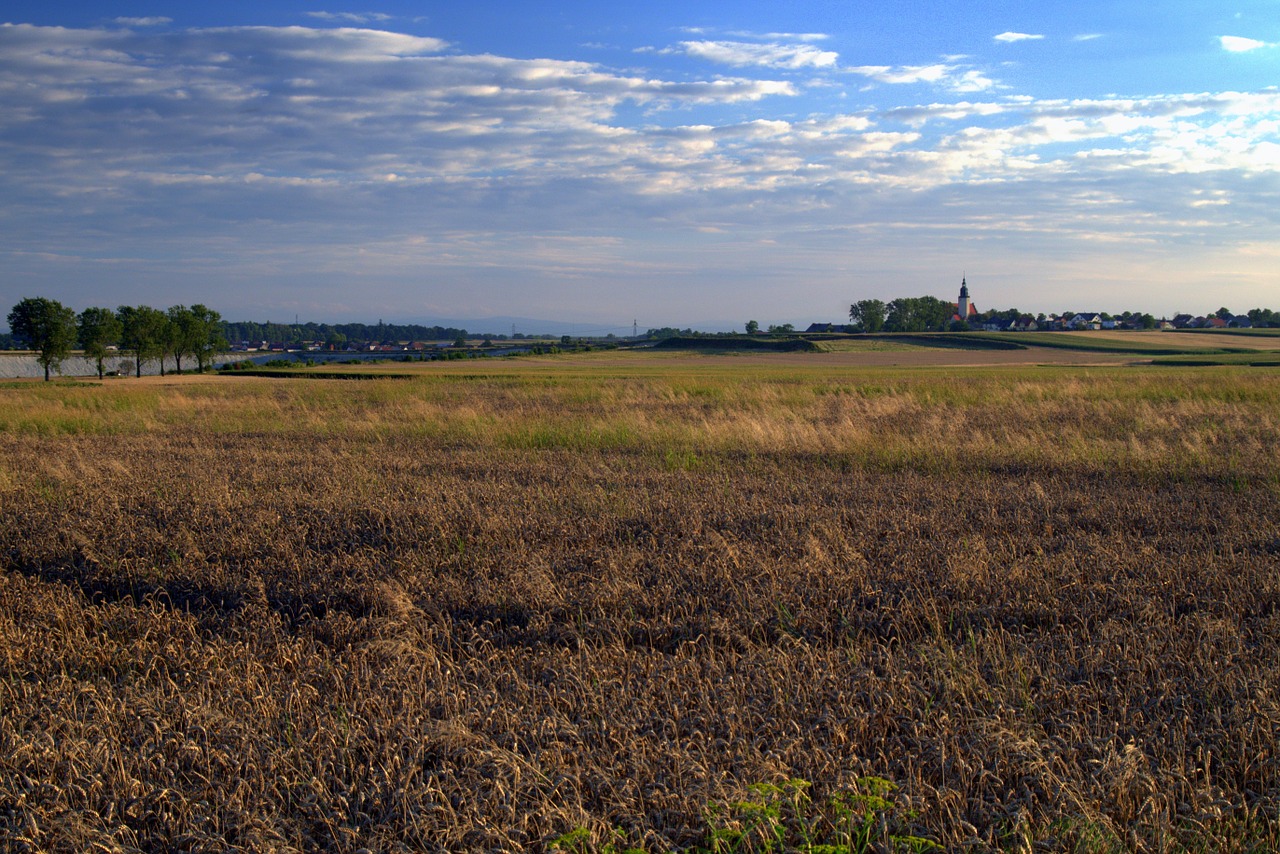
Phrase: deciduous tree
(47,326)
(181,333)
(868,315)
(97,329)
(209,340)
(1264,317)
(143,331)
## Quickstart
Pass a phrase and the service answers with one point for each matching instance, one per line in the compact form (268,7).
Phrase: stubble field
(660,602)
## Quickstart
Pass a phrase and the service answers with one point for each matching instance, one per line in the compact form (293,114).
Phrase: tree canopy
(868,315)
(97,329)
(194,331)
(46,326)
(144,331)
(208,339)
(918,314)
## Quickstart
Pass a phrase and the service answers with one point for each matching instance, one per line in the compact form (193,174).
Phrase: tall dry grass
(480,613)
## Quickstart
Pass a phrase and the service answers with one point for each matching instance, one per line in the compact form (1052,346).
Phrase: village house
(1086,320)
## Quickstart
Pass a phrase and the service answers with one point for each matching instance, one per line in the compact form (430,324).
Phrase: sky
(658,163)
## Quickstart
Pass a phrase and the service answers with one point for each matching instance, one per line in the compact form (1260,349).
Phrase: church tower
(964,306)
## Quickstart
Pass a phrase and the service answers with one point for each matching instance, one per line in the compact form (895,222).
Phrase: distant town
(929,314)
(420,339)
(199,334)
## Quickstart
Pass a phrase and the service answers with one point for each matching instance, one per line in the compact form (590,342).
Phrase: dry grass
(480,612)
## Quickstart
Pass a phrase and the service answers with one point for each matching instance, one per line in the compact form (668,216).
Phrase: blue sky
(672,163)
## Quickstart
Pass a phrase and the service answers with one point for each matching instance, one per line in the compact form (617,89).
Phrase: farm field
(878,599)
(1145,343)
(842,354)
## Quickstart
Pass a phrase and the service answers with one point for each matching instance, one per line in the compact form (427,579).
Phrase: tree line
(1259,317)
(52,330)
(337,335)
(905,314)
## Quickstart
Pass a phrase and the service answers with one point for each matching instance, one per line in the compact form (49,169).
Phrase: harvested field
(841,355)
(1188,339)
(593,602)
(907,356)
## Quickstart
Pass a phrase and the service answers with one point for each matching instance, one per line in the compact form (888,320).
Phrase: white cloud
(341,106)
(144,22)
(351,17)
(782,37)
(319,110)
(970,81)
(902,74)
(1017,37)
(346,44)
(1086,37)
(918,115)
(947,76)
(773,55)
(756,36)
(1238,44)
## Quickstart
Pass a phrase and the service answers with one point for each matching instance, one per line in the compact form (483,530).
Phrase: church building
(965,309)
